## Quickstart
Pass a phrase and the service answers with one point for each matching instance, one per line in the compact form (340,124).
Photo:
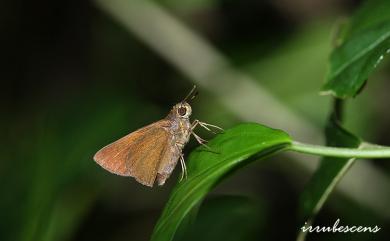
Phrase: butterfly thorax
(180,123)
(180,129)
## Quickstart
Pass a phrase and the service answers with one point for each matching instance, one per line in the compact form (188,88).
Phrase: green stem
(365,150)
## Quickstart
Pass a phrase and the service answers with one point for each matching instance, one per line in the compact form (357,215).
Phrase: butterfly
(151,153)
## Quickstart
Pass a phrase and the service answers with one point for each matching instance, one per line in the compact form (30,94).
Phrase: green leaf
(230,150)
(239,218)
(329,173)
(366,42)
(371,13)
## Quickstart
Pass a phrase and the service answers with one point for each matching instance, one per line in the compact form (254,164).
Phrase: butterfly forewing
(139,153)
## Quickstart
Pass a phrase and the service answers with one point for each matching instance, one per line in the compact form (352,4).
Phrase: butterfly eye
(182,111)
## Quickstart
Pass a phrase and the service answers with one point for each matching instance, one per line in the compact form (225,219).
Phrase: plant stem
(364,151)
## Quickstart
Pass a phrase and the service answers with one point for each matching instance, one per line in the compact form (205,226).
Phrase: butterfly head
(182,110)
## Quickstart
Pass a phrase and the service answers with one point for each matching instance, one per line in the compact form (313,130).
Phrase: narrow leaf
(329,173)
(206,168)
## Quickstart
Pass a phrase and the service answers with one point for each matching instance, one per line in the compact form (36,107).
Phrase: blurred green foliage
(75,80)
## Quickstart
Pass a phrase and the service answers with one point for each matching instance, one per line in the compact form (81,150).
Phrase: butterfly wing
(152,150)
(138,154)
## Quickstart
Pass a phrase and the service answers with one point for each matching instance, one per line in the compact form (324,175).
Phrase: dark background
(74,80)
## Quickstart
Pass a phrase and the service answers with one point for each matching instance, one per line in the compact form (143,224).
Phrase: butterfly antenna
(191,95)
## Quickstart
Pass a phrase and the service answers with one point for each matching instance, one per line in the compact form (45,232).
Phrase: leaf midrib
(361,53)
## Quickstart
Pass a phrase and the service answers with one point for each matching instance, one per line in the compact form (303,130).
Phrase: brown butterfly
(153,151)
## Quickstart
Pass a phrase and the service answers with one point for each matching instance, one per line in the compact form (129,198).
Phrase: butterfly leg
(205,126)
(184,171)
(182,163)
(200,140)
